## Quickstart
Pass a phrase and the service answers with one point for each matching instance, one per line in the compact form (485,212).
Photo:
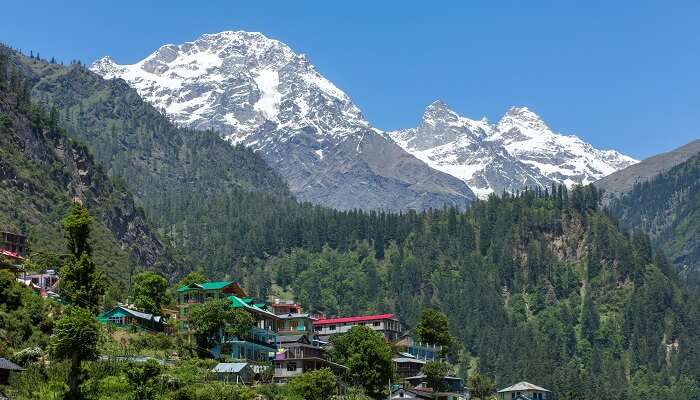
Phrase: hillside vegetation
(42,171)
(667,208)
(541,286)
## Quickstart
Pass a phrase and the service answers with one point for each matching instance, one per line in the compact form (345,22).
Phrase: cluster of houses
(284,336)
(294,342)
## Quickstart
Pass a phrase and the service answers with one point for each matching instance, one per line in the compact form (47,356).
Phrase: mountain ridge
(660,197)
(257,92)
(42,171)
(518,151)
(625,179)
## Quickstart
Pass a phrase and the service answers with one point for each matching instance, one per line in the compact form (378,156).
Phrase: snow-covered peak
(441,126)
(438,115)
(520,151)
(105,66)
(236,82)
(520,123)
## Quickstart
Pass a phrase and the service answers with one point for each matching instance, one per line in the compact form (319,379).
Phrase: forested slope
(174,173)
(540,287)
(667,207)
(42,171)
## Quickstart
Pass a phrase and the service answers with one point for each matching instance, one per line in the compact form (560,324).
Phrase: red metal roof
(346,320)
(10,254)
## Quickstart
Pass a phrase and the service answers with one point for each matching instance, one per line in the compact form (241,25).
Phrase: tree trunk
(74,378)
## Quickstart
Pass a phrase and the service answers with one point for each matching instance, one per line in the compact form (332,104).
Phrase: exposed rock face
(519,151)
(258,92)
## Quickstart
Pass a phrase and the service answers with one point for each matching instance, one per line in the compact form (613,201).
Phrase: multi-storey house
(299,354)
(261,342)
(387,324)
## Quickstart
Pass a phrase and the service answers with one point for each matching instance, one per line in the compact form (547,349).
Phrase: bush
(158,341)
(27,356)
(214,391)
(314,385)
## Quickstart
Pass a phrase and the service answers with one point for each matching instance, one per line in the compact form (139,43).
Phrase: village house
(299,354)
(197,293)
(124,317)
(285,307)
(295,324)
(13,243)
(455,386)
(292,320)
(44,283)
(523,391)
(422,351)
(262,342)
(259,345)
(410,393)
(7,369)
(407,365)
(386,324)
(10,261)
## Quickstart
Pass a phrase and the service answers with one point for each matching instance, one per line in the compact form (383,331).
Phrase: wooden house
(406,365)
(299,354)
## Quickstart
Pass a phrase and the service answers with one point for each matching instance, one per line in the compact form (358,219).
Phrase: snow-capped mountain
(258,92)
(519,151)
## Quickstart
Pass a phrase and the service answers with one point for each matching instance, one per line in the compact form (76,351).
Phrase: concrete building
(387,324)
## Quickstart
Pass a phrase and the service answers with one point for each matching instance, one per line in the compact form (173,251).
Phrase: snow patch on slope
(267,82)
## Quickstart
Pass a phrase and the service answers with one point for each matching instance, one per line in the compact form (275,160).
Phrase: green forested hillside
(667,207)
(538,287)
(541,286)
(42,171)
(174,173)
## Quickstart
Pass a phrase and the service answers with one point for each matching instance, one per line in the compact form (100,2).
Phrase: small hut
(237,372)
(7,368)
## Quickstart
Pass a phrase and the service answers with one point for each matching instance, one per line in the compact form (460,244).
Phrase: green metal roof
(215,285)
(237,302)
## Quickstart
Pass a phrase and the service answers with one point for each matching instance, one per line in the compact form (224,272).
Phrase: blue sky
(620,74)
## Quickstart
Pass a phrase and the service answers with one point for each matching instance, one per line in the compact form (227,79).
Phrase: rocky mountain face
(517,152)
(258,92)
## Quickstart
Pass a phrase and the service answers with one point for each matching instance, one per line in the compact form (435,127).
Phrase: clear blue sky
(620,74)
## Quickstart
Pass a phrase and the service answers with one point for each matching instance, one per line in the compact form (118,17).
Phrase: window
(376,323)
(332,327)
(291,366)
